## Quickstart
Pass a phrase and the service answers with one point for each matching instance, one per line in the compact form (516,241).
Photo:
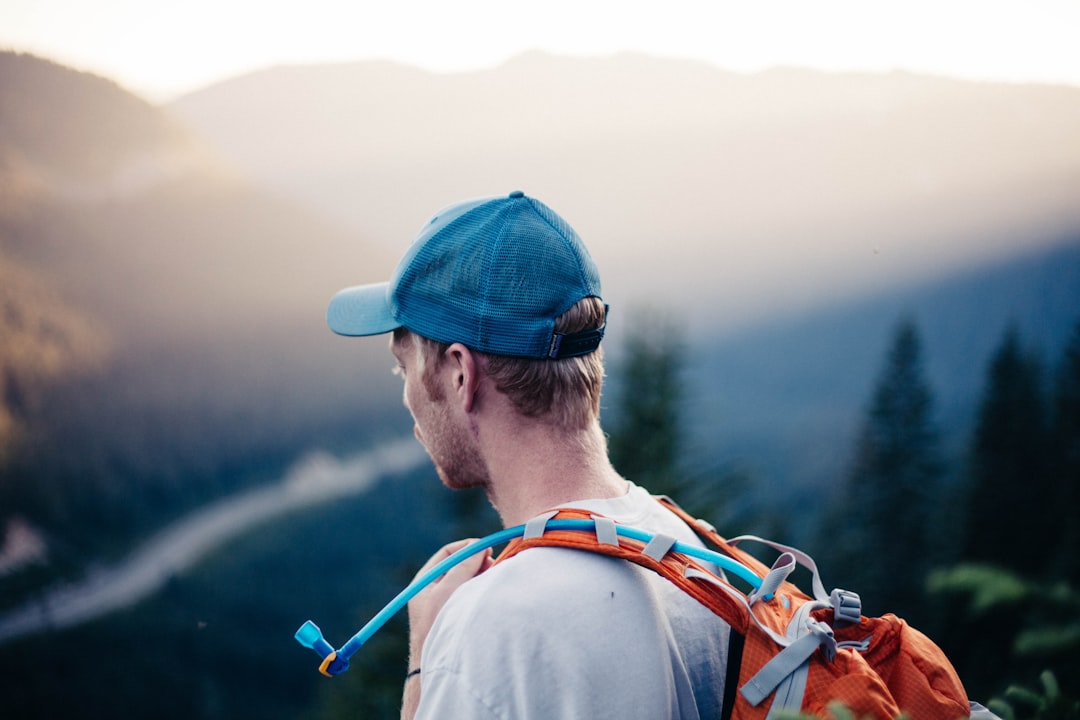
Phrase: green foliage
(1048,640)
(989,587)
(1046,703)
(1024,625)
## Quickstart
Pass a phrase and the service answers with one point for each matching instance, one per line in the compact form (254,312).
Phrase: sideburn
(432,361)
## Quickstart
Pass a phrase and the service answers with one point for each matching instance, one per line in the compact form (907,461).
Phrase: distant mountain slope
(749,195)
(162,334)
(41,339)
(784,401)
(60,130)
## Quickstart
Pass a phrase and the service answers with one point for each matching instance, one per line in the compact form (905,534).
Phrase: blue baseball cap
(492,274)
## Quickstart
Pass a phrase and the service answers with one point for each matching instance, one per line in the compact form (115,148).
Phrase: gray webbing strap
(534,528)
(606,534)
(738,597)
(776,577)
(658,547)
(805,560)
(788,697)
(788,661)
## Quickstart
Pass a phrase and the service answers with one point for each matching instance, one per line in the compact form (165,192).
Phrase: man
(496,319)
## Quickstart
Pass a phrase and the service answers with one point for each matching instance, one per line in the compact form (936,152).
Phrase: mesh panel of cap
(496,279)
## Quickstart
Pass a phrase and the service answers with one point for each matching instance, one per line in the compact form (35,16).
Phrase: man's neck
(538,467)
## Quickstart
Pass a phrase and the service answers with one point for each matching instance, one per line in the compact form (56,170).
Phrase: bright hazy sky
(162,48)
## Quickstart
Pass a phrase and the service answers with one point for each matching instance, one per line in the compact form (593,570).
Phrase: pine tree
(1010,492)
(882,527)
(1065,472)
(645,443)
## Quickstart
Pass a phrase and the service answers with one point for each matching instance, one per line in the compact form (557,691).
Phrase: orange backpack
(789,651)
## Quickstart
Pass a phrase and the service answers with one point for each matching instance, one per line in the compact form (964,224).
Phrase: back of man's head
(508,278)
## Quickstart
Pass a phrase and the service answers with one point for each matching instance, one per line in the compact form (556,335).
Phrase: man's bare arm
(425,607)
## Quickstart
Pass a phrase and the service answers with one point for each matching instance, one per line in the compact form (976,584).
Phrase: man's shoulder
(552,577)
(569,587)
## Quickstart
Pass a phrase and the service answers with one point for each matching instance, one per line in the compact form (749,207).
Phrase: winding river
(318,478)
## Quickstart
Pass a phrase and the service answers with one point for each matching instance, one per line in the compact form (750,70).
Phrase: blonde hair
(563,392)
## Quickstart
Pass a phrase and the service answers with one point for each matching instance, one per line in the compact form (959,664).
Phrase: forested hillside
(162,328)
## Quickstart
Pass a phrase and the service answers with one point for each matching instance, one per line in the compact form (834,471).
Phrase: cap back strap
(565,345)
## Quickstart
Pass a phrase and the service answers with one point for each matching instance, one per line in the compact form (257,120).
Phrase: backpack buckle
(847,607)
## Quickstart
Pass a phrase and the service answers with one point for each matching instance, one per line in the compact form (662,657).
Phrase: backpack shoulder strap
(659,553)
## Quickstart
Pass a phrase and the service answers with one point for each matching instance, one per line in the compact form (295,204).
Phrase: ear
(464,370)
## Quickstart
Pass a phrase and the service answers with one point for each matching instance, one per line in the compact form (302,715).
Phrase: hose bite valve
(310,636)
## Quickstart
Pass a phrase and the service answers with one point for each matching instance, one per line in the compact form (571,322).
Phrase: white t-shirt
(557,633)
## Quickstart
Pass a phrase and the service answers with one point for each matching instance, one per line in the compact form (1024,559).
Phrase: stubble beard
(452,449)
(457,460)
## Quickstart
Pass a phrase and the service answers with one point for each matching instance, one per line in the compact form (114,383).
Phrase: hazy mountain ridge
(746,193)
(82,136)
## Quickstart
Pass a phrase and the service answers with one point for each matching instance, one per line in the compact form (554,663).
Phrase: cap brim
(361,310)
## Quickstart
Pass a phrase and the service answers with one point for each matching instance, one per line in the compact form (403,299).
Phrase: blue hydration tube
(336,662)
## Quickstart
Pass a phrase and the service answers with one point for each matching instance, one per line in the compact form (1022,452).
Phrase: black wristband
(409,675)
